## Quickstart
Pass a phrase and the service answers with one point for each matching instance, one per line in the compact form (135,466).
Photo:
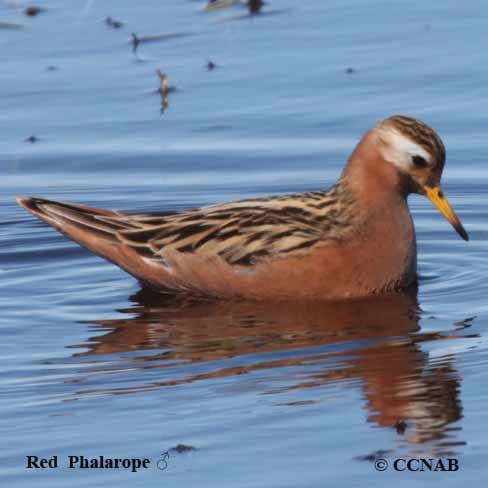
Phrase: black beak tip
(462,232)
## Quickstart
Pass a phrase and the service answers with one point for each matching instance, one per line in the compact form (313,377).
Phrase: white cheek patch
(399,150)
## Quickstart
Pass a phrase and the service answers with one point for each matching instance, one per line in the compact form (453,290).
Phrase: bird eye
(419,162)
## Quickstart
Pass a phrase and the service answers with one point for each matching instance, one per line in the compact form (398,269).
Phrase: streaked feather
(240,232)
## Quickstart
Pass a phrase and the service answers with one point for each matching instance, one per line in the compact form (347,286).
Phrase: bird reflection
(372,344)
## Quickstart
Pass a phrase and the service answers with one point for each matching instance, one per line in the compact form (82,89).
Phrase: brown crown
(421,134)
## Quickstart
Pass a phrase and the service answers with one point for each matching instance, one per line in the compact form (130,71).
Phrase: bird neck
(372,179)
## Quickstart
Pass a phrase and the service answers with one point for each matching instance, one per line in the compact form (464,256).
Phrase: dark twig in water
(181,448)
(136,40)
(164,89)
(32,139)
(115,24)
(163,82)
(380,453)
(401,426)
(33,10)
(466,322)
(255,6)
(254,11)
(220,4)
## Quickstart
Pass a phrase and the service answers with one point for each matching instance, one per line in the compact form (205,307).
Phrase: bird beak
(436,196)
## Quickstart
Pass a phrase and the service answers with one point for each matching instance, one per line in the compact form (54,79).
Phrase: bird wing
(239,232)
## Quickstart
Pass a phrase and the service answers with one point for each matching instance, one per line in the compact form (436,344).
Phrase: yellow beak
(436,196)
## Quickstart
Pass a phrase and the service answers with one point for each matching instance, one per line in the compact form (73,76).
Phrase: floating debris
(211,65)
(401,426)
(115,24)
(466,322)
(164,89)
(10,25)
(254,10)
(33,10)
(254,6)
(372,457)
(136,40)
(32,139)
(220,4)
(298,403)
(182,448)
(163,82)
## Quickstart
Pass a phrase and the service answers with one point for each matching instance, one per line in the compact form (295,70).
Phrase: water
(288,395)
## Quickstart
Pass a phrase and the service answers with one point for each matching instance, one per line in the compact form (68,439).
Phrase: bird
(352,240)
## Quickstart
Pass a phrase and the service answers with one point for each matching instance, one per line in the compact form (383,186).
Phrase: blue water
(268,395)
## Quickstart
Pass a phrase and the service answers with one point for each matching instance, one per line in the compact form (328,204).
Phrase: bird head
(418,154)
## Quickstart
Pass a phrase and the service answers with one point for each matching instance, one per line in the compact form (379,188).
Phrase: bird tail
(93,228)
(102,232)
